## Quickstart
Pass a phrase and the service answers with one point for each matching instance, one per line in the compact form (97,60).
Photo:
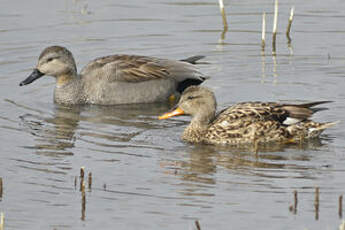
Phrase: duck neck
(68,89)
(197,128)
(64,80)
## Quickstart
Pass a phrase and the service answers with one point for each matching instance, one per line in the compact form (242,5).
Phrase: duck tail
(301,112)
(318,128)
(193,60)
(312,104)
(315,103)
(308,129)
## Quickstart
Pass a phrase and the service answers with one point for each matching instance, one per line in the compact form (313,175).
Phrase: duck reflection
(53,135)
(203,161)
(58,134)
(200,166)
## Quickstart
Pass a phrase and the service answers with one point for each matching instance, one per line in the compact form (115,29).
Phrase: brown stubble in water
(293,208)
(340,206)
(274,32)
(81,177)
(82,172)
(89,181)
(83,201)
(2,221)
(222,12)
(1,188)
(289,25)
(75,182)
(295,202)
(197,225)
(317,202)
(263,34)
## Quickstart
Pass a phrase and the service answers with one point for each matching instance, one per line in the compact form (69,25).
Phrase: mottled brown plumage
(245,123)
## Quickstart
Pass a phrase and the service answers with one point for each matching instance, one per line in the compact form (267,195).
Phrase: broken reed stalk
(317,202)
(82,172)
(342,225)
(81,184)
(263,34)
(275,22)
(1,187)
(197,225)
(83,201)
(89,181)
(75,182)
(289,24)
(81,176)
(83,187)
(222,11)
(295,202)
(2,221)
(340,206)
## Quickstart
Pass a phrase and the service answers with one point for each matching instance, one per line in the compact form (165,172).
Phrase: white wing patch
(291,121)
(224,124)
(311,130)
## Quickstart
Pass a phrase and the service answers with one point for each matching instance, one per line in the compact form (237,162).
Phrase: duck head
(198,102)
(54,61)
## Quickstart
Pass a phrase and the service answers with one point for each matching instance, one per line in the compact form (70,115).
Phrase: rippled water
(144,176)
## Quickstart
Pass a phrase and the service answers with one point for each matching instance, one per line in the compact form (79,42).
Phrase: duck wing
(245,122)
(286,114)
(133,68)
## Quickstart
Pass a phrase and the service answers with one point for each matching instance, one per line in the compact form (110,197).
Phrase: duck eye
(50,59)
(190,97)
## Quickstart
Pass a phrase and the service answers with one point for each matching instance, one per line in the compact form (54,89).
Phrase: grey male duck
(247,122)
(115,79)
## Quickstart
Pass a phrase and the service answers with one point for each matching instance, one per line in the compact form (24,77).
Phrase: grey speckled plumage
(115,79)
(245,123)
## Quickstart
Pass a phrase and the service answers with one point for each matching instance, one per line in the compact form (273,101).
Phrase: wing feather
(259,111)
(133,68)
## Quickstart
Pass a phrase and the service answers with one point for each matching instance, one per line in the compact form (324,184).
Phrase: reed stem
(81,177)
(263,34)
(75,182)
(1,188)
(222,12)
(89,180)
(317,202)
(83,201)
(275,22)
(289,24)
(82,172)
(2,221)
(340,206)
(197,224)
(295,202)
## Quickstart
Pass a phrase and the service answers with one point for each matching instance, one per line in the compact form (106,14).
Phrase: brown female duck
(245,123)
(115,79)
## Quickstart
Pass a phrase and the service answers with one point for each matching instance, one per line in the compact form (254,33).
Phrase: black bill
(33,76)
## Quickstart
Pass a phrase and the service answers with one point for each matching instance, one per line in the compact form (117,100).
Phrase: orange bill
(173,113)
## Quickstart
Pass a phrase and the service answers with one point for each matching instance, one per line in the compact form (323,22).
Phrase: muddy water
(144,177)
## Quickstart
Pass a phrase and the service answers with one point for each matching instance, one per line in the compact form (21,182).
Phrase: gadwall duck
(247,122)
(115,79)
